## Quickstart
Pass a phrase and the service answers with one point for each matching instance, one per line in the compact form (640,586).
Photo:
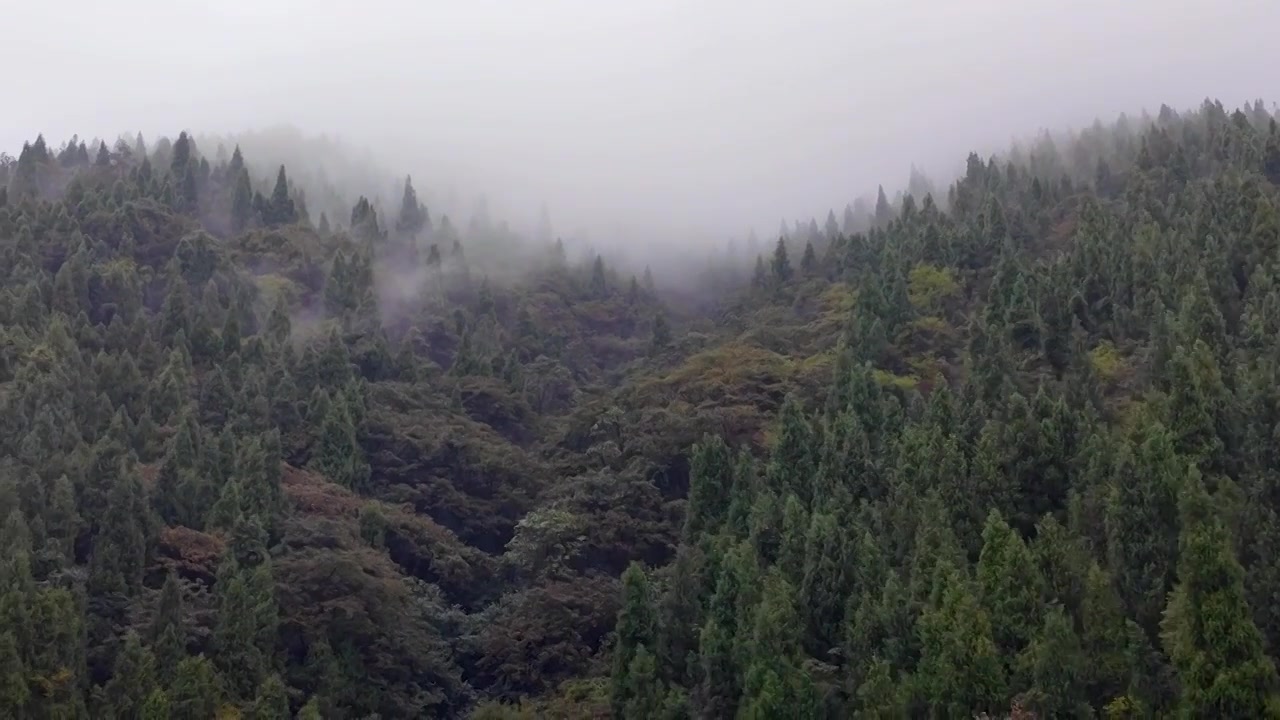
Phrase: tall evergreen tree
(781,266)
(1208,630)
(633,672)
(280,209)
(413,216)
(241,201)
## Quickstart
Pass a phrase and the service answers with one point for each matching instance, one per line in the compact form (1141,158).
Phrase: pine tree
(337,453)
(791,539)
(1141,523)
(310,711)
(825,586)
(156,706)
(719,660)
(196,690)
(120,549)
(1104,638)
(1008,586)
(809,261)
(792,463)
(1208,629)
(960,672)
(661,338)
(167,633)
(1054,668)
(1199,404)
(883,212)
(133,679)
(241,201)
(774,683)
(14,692)
(236,164)
(280,209)
(781,266)
(710,483)
(272,702)
(878,697)
(187,193)
(636,632)
(831,227)
(364,222)
(599,282)
(412,217)
(644,693)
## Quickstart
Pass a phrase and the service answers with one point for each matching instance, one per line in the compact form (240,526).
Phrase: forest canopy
(1008,446)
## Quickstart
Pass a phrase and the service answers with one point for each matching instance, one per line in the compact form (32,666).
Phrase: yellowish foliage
(888,379)
(1132,413)
(1107,361)
(926,368)
(121,265)
(272,286)
(839,298)
(731,364)
(50,684)
(42,356)
(1121,707)
(929,286)
(833,308)
(930,324)
(817,362)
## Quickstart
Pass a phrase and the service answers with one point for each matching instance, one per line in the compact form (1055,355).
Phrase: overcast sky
(697,112)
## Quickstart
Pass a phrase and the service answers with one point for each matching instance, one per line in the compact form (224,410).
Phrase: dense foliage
(1012,451)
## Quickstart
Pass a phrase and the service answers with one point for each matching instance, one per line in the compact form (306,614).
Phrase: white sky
(714,113)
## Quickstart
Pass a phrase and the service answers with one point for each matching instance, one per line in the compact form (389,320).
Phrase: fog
(662,119)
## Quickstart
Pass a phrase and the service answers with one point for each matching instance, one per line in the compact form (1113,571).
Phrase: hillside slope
(1011,450)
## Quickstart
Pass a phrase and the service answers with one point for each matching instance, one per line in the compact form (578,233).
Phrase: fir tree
(661,337)
(1208,629)
(634,681)
(14,691)
(781,266)
(196,690)
(280,209)
(241,201)
(272,702)
(960,671)
(1008,586)
(412,216)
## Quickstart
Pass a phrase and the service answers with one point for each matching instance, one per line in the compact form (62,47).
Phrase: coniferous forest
(1005,448)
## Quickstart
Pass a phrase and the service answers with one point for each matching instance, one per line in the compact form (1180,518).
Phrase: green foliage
(132,680)
(1208,630)
(196,692)
(781,266)
(156,706)
(272,702)
(932,469)
(14,692)
(1008,586)
(635,688)
(960,670)
(1141,522)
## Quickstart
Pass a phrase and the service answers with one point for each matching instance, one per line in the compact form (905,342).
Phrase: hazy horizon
(660,117)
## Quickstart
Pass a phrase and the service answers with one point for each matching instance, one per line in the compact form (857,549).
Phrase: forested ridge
(1009,447)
